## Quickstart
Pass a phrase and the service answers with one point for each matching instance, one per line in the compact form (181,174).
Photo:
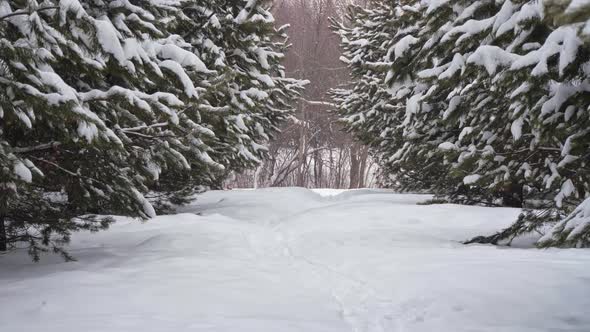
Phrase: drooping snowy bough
(482,102)
(118,107)
(574,230)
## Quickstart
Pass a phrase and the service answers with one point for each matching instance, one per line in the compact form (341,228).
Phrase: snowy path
(286,260)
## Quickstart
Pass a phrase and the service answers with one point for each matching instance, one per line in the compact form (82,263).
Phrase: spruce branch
(138,128)
(27,12)
(40,147)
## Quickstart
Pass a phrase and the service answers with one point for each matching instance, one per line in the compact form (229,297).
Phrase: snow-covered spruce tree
(90,113)
(494,88)
(377,108)
(574,230)
(250,95)
(99,100)
(461,108)
(536,111)
(247,98)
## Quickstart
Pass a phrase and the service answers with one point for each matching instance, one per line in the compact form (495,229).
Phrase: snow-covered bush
(104,101)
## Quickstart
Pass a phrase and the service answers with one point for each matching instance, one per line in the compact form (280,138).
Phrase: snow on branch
(39,147)
(27,12)
(318,103)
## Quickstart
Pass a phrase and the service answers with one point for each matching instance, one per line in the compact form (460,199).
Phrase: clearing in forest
(297,260)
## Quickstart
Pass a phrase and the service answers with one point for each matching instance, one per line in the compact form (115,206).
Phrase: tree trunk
(338,181)
(354,167)
(331,168)
(3,240)
(257,175)
(364,155)
(319,168)
(3,212)
(513,195)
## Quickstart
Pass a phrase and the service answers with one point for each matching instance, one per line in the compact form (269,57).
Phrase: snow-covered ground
(282,260)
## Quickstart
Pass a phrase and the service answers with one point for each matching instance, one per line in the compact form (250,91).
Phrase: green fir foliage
(482,102)
(129,107)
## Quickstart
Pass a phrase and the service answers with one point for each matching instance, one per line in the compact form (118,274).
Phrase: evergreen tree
(250,96)
(376,49)
(485,98)
(574,230)
(103,101)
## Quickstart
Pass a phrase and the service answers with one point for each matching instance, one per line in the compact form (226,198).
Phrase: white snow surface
(292,259)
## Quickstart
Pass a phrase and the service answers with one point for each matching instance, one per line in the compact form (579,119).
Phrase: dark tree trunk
(354,167)
(363,168)
(3,213)
(3,239)
(338,181)
(319,168)
(512,195)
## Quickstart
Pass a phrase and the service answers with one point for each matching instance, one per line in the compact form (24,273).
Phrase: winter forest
(295,165)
